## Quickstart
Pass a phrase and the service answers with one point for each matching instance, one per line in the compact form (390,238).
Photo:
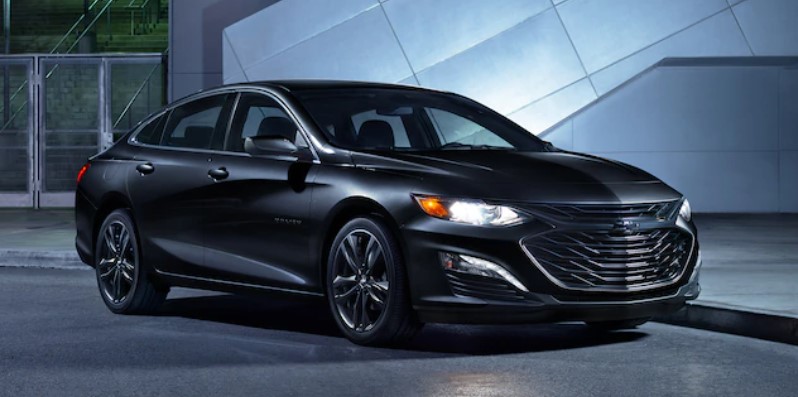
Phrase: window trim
(224,110)
(237,91)
(144,123)
(234,113)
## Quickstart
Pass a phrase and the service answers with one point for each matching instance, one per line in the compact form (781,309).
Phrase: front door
(257,230)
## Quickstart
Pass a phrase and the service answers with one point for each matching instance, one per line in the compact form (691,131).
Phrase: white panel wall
(769,25)
(528,72)
(283,26)
(718,35)
(196,57)
(723,132)
(788,140)
(535,60)
(432,31)
(605,31)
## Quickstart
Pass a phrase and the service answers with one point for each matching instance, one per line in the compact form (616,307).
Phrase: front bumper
(437,297)
(540,308)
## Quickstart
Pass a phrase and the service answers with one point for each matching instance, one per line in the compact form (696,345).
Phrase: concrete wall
(195,40)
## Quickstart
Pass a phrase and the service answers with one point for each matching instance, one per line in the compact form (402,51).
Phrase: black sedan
(400,205)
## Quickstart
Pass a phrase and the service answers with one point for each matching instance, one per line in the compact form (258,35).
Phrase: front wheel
(366,285)
(123,283)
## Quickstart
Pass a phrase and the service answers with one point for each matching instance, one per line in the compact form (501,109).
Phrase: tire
(366,274)
(618,324)
(121,277)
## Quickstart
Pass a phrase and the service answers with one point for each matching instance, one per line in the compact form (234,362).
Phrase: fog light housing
(480,267)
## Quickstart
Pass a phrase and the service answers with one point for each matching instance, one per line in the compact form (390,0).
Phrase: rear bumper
(83,253)
(84,227)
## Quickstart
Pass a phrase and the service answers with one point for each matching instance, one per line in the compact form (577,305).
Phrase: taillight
(83,170)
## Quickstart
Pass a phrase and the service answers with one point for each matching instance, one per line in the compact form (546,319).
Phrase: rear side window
(150,133)
(194,124)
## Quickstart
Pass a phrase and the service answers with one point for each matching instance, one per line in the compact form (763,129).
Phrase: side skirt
(186,281)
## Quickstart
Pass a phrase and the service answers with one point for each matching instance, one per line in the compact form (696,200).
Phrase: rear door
(170,183)
(257,229)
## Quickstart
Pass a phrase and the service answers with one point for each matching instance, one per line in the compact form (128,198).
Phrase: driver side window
(259,115)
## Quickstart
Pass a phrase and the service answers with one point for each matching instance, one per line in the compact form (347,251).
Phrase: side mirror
(265,145)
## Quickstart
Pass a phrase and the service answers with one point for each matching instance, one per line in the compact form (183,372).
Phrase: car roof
(313,85)
(300,85)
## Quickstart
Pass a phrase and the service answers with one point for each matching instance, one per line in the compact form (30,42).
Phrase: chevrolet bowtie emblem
(624,227)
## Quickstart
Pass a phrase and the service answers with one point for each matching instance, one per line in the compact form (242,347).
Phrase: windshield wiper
(460,145)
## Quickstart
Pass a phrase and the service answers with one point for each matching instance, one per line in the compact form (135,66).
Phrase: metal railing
(106,10)
(75,26)
(14,114)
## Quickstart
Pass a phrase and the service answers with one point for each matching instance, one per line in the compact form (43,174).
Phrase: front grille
(465,284)
(605,212)
(603,261)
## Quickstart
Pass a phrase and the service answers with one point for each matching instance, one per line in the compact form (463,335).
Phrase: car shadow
(312,318)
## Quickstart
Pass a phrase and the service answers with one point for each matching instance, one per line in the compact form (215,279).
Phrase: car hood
(529,176)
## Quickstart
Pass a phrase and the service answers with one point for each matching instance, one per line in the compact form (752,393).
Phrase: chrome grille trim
(596,260)
(662,210)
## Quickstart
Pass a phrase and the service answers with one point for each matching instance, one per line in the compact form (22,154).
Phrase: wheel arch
(342,213)
(110,202)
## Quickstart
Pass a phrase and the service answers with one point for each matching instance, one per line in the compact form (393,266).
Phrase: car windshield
(411,120)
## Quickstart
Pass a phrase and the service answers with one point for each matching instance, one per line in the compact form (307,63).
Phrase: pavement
(749,278)
(38,238)
(58,339)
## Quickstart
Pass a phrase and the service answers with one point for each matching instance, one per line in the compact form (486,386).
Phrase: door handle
(145,169)
(218,174)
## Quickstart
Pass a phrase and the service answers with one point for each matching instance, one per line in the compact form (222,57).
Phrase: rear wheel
(366,287)
(123,282)
(618,324)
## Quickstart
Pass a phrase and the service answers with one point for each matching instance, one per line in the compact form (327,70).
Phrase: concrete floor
(750,261)
(40,230)
(58,339)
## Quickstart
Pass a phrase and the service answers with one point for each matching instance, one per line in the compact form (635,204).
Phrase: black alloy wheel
(366,286)
(124,285)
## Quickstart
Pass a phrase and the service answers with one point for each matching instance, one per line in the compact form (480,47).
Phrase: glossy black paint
(235,222)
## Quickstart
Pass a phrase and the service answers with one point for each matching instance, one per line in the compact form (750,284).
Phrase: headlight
(685,212)
(473,212)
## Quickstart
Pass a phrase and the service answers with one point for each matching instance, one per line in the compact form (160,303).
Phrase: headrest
(198,136)
(375,133)
(276,125)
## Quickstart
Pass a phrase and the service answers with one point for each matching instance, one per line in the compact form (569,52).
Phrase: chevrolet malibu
(398,205)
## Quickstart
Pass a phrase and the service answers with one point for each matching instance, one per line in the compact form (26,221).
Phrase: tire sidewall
(122,216)
(390,319)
